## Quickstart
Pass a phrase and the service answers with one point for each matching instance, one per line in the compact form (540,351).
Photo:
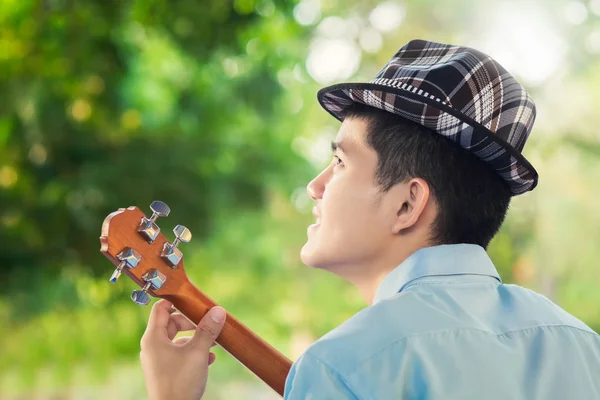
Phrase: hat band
(405,86)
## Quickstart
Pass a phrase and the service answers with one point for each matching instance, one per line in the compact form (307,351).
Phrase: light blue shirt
(443,326)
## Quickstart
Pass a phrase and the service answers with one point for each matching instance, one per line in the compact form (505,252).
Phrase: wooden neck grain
(258,356)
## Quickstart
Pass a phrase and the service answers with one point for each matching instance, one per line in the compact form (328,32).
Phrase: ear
(414,197)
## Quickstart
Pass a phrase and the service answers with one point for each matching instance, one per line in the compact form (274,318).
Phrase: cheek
(349,211)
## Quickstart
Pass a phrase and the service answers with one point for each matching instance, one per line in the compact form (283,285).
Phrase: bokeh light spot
(370,40)
(81,110)
(131,119)
(592,42)
(38,154)
(8,176)
(575,12)
(307,12)
(332,59)
(387,16)
(94,84)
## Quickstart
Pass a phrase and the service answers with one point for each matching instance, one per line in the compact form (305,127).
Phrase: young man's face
(352,227)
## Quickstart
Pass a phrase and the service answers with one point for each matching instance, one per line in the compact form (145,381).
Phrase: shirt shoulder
(451,340)
(422,311)
(375,328)
(547,312)
(325,369)
(311,378)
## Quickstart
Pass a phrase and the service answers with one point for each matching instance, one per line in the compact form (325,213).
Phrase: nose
(316,187)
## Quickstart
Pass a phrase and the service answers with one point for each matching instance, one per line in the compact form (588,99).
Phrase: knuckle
(209,330)
(144,342)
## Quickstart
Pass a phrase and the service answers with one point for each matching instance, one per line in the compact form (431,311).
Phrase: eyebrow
(337,145)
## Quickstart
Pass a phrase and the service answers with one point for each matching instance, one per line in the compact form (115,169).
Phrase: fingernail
(217,314)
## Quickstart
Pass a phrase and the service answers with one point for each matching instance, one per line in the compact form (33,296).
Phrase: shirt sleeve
(312,379)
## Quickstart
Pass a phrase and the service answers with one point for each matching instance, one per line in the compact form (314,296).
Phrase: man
(425,163)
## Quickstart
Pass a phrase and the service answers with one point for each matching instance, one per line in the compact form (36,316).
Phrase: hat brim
(441,118)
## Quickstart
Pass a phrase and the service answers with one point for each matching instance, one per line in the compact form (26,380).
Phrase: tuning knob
(130,258)
(154,279)
(148,228)
(141,297)
(170,251)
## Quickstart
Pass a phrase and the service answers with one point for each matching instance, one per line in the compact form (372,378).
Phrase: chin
(312,256)
(308,256)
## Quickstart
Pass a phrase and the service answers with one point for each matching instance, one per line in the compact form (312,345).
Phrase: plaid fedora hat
(458,92)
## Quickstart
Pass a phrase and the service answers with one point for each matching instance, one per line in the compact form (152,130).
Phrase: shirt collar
(442,260)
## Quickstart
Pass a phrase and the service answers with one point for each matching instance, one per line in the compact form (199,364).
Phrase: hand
(178,369)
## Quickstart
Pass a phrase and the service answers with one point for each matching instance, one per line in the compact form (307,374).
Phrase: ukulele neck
(254,353)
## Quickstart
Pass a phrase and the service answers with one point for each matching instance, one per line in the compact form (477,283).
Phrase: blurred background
(210,106)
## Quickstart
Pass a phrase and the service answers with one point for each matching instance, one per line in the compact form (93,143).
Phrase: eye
(337,160)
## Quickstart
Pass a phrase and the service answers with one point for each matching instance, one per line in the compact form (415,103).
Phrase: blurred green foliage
(210,106)
(108,106)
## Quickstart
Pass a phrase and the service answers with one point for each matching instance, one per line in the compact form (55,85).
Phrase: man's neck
(370,276)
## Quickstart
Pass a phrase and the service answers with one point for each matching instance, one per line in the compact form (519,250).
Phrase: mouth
(318,221)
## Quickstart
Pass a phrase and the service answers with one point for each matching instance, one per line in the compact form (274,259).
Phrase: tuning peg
(141,297)
(130,258)
(148,228)
(170,251)
(159,209)
(182,234)
(154,279)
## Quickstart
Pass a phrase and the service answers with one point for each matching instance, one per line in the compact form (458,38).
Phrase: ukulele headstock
(136,245)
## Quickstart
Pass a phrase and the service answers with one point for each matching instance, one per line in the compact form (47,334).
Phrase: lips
(317,214)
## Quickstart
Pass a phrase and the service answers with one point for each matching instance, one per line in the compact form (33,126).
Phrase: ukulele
(135,244)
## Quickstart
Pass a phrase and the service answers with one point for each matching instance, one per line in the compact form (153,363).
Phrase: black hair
(472,198)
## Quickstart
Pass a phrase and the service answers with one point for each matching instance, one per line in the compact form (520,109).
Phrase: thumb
(209,328)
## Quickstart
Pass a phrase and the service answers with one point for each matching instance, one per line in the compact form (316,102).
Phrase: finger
(209,328)
(211,358)
(159,317)
(213,344)
(178,323)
